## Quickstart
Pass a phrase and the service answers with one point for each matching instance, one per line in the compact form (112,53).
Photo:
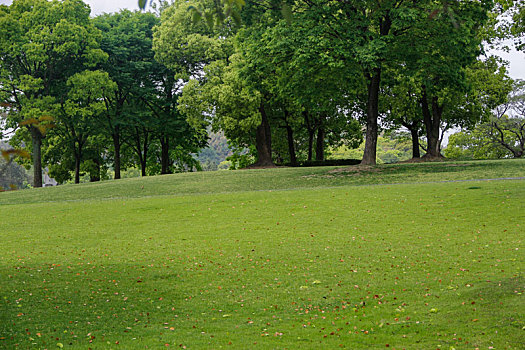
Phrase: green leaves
(286,11)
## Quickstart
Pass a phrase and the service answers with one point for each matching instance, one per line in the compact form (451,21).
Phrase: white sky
(100,6)
(516,59)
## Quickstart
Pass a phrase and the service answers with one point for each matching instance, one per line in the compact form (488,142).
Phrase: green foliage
(184,45)
(216,152)
(390,149)
(502,135)
(473,144)
(224,101)
(42,44)
(239,160)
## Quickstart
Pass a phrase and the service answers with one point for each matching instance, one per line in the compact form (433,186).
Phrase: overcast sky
(516,59)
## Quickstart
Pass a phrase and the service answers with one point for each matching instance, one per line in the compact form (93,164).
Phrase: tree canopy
(284,81)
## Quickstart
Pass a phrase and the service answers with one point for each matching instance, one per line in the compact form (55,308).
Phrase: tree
(42,43)
(198,58)
(501,135)
(400,105)
(436,53)
(80,118)
(366,32)
(310,91)
(507,126)
(127,38)
(473,144)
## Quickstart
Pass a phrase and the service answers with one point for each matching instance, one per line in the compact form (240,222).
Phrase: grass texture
(269,259)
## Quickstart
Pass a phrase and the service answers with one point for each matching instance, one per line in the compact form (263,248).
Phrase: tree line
(86,94)
(285,81)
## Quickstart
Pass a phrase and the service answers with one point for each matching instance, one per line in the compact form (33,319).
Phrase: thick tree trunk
(143,168)
(372,114)
(165,155)
(291,147)
(319,146)
(432,120)
(414,132)
(263,141)
(116,146)
(36,138)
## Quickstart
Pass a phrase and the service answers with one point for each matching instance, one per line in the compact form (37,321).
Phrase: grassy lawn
(280,258)
(271,179)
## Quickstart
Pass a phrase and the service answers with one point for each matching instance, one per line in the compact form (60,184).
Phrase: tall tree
(80,119)
(42,44)
(127,38)
(365,31)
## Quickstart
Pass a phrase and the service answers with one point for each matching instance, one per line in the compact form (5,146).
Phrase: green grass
(270,179)
(320,263)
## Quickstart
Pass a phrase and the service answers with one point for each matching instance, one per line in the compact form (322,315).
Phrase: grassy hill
(275,258)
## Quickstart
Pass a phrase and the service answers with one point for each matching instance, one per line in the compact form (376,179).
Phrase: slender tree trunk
(372,114)
(116,146)
(311,133)
(145,154)
(319,146)
(78,155)
(165,155)
(291,147)
(263,141)
(414,132)
(36,138)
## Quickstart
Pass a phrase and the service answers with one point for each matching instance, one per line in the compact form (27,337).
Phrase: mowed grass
(414,266)
(272,179)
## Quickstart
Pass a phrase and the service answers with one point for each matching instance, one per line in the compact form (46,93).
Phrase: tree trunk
(319,146)
(165,155)
(415,142)
(263,141)
(36,138)
(143,168)
(77,169)
(432,120)
(311,133)
(372,113)
(116,146)
(78,157)
(145,154)
(96,176)
(291,147)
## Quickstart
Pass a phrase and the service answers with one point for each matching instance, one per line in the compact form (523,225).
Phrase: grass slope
(271,179)
(322,265)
